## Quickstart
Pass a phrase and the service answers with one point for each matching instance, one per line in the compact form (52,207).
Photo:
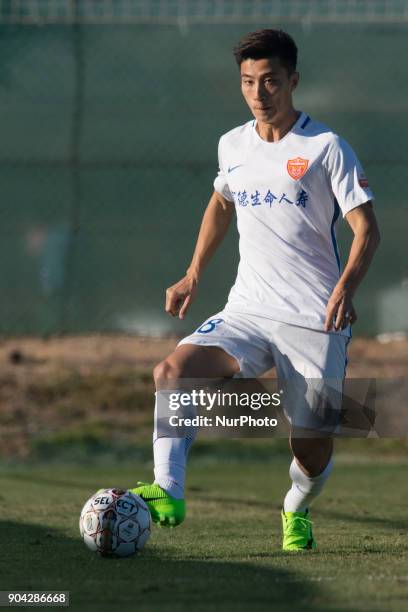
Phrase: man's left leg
(311,466)
(311,368)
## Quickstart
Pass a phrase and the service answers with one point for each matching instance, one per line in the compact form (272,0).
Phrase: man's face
(267,88)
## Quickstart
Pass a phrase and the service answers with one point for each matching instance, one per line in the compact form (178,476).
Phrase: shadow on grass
(197,493)
(226,499)
(55,482)
(366,519)
(38,558)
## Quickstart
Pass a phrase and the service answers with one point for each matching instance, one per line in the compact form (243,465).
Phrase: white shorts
(313,361)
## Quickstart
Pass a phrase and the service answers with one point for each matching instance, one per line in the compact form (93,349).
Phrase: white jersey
(288,195)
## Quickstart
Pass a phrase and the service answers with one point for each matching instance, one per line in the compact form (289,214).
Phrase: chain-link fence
(110,116)
(212,11)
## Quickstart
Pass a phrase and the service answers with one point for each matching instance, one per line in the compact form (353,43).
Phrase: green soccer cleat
(297,531)
(164,509)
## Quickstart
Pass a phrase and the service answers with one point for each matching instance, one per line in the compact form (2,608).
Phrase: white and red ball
(115,523)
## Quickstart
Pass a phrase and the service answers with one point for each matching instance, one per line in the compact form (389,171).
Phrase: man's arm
(366,240)
(214,225)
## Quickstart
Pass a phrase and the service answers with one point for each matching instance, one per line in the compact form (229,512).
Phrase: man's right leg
(165,497)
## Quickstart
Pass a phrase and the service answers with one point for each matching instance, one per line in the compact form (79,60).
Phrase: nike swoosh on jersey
(234,168)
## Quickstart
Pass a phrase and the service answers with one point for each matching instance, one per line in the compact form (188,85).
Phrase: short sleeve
(348,180)
(221,182)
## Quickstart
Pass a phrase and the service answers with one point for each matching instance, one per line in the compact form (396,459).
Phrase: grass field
(76,415)
(227,554)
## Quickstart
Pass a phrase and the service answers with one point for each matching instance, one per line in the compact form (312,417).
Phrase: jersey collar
(294,127)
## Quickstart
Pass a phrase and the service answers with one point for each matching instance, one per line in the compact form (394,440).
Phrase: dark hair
(268,43)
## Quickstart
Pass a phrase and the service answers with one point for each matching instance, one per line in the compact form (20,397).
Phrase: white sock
(304,489)
(170,454)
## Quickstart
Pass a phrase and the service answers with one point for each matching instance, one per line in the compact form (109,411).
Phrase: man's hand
(180,296)
(340,311)
(214,225)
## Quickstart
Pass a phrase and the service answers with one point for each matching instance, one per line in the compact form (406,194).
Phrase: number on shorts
(208,326)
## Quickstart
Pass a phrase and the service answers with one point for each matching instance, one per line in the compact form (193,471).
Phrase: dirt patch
(98,390)
(86,354)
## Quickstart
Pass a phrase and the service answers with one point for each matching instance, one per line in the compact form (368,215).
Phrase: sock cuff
(304,489)
(170,486)
(296,473)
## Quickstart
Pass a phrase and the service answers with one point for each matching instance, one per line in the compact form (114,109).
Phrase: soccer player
(288,178)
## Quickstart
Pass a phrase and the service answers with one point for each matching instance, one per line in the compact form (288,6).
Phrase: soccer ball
(115,523)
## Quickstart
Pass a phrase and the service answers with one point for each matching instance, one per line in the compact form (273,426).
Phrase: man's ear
(294,79)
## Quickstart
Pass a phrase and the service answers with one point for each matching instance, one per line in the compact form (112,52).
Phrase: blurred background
(110,115)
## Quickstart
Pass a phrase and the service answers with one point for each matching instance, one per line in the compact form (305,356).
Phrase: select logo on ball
(125,506)
(115,523)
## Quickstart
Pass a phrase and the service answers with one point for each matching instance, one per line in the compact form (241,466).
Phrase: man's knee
(190,361)
(167,371)
(313,454)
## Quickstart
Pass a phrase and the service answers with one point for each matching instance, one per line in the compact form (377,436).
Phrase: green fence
(109,123)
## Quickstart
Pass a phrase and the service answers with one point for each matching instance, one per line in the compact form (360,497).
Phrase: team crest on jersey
(297,167)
